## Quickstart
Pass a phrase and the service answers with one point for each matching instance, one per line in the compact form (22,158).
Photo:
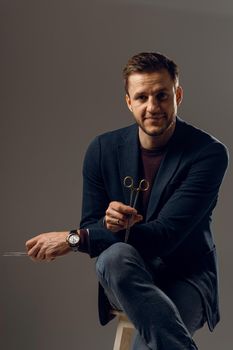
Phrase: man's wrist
(73,240)
(84,240)
(83,234)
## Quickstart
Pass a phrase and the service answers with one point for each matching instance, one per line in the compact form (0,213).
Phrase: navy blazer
(177,224)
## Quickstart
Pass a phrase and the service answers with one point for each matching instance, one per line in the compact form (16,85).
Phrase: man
(165,277)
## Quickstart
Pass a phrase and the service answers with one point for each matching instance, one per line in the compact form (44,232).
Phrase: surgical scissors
(134,192)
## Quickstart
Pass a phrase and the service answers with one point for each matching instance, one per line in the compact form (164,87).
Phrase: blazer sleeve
(95,201)
(191,202)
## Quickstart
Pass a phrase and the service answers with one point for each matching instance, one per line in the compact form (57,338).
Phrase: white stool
(124,332)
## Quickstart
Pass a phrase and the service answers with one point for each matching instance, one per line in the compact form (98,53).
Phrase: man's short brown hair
(148,62)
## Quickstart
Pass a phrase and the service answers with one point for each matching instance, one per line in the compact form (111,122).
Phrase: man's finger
(114,228)
(122,208)
(34,250)
(112,213)
(138,217)
(31,242)
(41,255)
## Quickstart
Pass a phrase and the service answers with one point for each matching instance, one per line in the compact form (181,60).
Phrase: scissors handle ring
(143,185)
(128,182)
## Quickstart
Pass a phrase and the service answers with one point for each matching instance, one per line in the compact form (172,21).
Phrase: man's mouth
(155,117)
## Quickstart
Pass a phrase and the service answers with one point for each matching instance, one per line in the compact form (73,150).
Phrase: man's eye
(162,96)
(141,98)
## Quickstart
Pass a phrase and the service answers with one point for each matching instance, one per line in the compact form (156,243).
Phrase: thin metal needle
(15,254)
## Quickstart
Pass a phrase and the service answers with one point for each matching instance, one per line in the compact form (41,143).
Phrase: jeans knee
(112,261)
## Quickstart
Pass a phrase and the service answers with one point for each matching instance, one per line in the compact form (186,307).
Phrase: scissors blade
(15,254)
(127,232)
(136,199)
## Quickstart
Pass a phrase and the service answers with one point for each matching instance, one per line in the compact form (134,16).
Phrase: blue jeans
(164,310)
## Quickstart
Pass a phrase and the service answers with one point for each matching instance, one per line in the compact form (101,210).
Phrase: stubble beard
(161,130)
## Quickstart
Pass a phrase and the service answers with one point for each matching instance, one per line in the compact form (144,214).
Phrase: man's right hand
(119,216)
(47,246)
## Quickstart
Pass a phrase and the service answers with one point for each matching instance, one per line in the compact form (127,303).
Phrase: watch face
(74,239)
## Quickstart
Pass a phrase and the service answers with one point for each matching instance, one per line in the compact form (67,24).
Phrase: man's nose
(152,105)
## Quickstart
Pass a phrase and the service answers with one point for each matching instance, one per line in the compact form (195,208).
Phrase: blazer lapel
(167,169)
(128,159)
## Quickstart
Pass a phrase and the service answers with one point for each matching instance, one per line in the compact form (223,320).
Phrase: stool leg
(123,336)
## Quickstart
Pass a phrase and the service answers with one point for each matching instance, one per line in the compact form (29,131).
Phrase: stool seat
(124,331)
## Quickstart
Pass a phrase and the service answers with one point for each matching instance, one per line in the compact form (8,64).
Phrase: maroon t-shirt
(150,163)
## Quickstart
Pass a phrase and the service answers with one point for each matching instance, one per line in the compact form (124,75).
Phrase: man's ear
(128,101)
(179,95)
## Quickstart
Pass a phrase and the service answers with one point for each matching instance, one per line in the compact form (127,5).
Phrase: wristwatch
(73,240)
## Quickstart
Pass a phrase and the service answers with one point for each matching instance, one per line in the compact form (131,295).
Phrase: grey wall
(61,84)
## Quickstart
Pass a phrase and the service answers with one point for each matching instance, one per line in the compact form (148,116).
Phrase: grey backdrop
(61,85)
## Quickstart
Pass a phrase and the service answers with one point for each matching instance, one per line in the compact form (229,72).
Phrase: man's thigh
(188,302)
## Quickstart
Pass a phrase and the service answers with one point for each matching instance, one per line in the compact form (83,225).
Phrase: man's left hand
(47,246)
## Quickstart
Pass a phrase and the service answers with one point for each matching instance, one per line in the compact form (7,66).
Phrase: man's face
(153,99)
